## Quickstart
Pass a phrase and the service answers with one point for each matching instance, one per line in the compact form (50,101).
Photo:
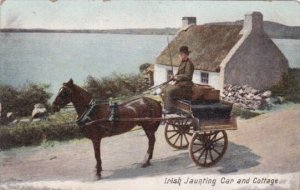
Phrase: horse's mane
(82,91)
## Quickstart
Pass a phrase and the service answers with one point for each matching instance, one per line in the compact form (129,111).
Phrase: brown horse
(138,108)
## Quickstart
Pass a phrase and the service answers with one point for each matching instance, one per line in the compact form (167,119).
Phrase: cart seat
(206,110)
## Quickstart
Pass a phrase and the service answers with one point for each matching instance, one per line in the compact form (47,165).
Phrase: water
(53,58)
(291,49)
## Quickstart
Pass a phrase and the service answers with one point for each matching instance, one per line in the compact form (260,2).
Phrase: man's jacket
(185,73)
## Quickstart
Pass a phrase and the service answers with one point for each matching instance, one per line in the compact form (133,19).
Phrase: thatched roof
(209,45)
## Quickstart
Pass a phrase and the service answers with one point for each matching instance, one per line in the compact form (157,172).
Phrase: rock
(36,119)
(241,91)
(280,100)
(24,120)
(9,114)
(15,121)
(257,97)
(254,91)
(247,97)
(246,86)
(39,111)
(266,94)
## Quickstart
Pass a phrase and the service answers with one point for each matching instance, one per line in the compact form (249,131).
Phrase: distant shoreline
(273,29)
(148,31)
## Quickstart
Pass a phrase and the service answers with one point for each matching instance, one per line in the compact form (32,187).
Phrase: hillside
(273,29)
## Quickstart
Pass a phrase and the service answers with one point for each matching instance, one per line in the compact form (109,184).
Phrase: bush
(289,86)
(60,127)
(22,100)
(8,98)
(21,135)
(114,86)
(144,66)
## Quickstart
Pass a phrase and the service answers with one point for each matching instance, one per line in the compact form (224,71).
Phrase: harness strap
(113,117)
(85,116)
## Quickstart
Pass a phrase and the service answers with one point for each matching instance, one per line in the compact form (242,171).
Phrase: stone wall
(247,97)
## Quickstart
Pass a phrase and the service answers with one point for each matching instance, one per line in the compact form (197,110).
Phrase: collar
(85,116)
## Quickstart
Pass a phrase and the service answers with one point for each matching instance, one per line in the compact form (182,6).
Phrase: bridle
(63,95)
(82,119)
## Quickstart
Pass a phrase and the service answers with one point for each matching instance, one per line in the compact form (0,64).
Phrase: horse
(143,107)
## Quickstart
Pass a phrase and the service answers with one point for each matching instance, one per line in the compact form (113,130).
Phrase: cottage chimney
(253,23)
(187,21)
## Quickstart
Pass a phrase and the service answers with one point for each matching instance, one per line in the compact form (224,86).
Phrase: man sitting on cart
(183,82)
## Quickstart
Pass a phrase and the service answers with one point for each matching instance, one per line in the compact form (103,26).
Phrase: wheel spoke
(206,152)
(214,137)
(210,154)
(186,138)
(181,137)
(172,130)
(218,139)
(173,135)
(201,154)
(198,144)
(216,151)
(177,139)
(218,144)
(198,150)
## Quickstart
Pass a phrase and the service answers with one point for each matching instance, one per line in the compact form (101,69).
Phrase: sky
(114,14)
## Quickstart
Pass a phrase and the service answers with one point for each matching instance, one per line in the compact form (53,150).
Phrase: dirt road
(269,143)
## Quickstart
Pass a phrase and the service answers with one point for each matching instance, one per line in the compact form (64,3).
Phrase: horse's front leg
(96,144)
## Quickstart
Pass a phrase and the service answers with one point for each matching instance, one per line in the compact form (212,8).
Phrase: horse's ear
(70,82)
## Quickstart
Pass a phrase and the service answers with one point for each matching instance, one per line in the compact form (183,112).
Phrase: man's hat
(184,49)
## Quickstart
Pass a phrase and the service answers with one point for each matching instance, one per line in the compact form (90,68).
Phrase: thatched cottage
(226,54)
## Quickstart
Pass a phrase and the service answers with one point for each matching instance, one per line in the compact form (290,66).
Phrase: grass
(59,127)
(244,113)
(289,86)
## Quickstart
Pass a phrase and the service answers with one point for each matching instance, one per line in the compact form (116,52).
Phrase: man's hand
(173,78)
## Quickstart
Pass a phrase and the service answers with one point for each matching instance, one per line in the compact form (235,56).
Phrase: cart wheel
(178,132)
(207,148)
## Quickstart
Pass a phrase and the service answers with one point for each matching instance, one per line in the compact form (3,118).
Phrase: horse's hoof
(144,165)
(98,175)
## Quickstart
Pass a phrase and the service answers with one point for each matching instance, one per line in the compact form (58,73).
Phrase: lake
(53,58)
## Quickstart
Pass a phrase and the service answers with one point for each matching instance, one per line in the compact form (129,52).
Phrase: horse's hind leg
(150,132)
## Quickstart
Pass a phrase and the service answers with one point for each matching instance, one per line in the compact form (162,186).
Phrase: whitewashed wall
(160,76)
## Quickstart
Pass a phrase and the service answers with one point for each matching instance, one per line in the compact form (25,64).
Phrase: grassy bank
(59,127)
(21,100)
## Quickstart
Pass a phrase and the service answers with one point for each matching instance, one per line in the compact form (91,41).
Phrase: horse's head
(64,96)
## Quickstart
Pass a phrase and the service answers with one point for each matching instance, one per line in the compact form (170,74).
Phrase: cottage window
(204,78)
(169,74)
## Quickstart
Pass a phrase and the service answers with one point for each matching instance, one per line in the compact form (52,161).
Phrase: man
(183,85)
